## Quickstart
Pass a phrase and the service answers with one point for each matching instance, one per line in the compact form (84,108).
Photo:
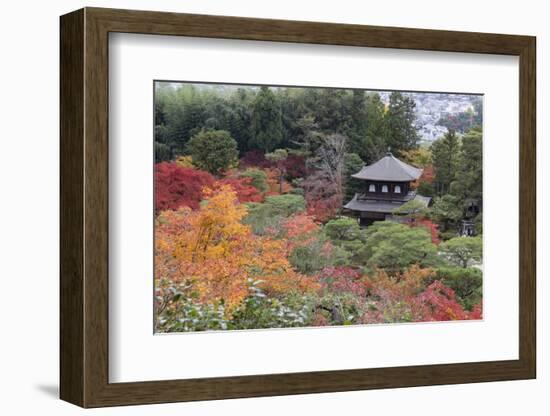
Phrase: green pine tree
(446,158)
(400,131)
(267,126)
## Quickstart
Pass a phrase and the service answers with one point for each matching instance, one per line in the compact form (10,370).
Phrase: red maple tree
(243,187)
(254,159)
(431,226)
(176,186)
(295,166)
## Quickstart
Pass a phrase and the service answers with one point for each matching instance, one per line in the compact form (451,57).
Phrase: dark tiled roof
(389,168)
(378,205)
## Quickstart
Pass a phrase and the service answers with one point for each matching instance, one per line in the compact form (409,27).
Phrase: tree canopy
(267,123)
(400,130)
(446,159)
(268,118)
(462,251)
(213,150)
(468,185)
(395,247)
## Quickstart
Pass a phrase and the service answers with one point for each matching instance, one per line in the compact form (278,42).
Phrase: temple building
(387,186)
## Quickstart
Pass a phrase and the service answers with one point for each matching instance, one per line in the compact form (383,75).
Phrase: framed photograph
(256,207)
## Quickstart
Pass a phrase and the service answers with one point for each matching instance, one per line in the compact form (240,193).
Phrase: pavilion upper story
(387,186)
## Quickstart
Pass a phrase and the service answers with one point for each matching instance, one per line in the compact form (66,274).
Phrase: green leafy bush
(267,216)
(394,247)
(259,178)
(466,282)
(213,150)
(462,251)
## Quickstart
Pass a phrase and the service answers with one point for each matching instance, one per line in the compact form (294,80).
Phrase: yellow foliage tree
(420,157)
(219,255)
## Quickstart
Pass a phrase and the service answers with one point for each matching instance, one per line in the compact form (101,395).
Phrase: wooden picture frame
(84,207)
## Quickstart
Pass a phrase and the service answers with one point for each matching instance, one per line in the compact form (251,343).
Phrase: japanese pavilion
(387,187)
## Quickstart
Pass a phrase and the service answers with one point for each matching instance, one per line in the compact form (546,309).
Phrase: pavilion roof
(389,168)
(382,206)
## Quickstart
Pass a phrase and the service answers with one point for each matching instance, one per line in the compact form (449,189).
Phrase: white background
(135,60)
(29,217)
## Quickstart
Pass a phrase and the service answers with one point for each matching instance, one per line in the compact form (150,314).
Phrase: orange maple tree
(300,230)
(219,256)
(275,187)
(413,296)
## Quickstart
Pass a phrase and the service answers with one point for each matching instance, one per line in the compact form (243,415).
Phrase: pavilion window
(397,189)
(385,188)
(372,187)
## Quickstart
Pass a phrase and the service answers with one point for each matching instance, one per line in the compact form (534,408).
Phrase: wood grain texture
(96,208)
(71,100)
(527,208)
(84,207)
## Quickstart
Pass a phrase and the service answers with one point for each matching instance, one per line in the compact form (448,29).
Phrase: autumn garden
(250,230)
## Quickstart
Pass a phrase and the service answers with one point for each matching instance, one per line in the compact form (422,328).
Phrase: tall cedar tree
(446,158)
(240,117)
(468,186)
(367,132)
(188,120)
(400,131)
(332,110)
(359,112)
(447,211)
(375,145)
(292,109)
(267,126)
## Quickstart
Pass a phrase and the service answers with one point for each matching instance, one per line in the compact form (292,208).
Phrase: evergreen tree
(366,136)
(446,158)
(267,127)
(292,110)
(468,186)
(446,211)
(462,251)
(240,117)
(332,111)
(395,247)
(400,131)
(184,115)
(308,137)
(162,152)
(358,131)
(213,150)
(375,146)
(190,121)
(478,112)
(352,164)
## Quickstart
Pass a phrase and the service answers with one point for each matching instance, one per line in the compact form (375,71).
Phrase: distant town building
(387,186)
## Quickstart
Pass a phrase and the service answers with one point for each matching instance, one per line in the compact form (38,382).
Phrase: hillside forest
(250,230)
